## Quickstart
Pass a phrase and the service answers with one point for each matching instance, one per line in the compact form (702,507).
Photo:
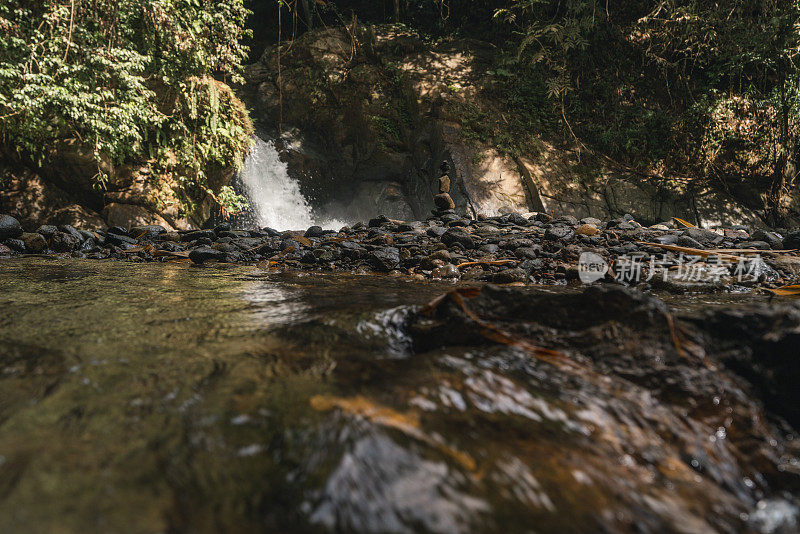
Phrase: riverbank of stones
(537,249)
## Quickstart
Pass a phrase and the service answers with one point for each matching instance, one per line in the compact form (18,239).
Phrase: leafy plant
(128,80)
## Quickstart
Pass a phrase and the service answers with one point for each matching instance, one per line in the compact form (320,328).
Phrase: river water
(168,398)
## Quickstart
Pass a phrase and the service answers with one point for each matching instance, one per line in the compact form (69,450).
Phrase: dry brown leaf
(407,423)
(695,251)
(786,291)
(494,262)
(685,224)
(754,251)
(496,334)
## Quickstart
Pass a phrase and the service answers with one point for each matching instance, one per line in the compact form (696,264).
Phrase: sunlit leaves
(117,76)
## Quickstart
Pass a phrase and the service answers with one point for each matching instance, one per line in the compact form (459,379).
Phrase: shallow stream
(170,398)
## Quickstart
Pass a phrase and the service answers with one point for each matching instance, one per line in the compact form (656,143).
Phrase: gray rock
(792,240)
(149,231)
(9,227)
(198,234)
(380,220)
(308,257)
(34,242)
(315,231)
(233,234)
(555,233)
(516,218)
(384,259)
(351,250)
(17,245)
(119,240)
(508,276)
(668,239)
(446,271)
(64,242)
(47,230)
(90,245)
(524,253)
(443,201)
(457,235)
(428,263)
(592,221)
(290,243)
(119,230)
(66,228)
(203,254)
(324,255)
(701,235)
(686,241)
(226,247)
(568,219)
(513,244)
(532,265)
(775,241)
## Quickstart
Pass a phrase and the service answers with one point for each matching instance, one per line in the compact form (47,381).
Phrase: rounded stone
(444,184)
(9,227)
(443,201)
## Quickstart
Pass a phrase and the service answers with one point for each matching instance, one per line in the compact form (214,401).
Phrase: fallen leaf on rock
(683,223)
(494,262)
(407,423)
(695,251)
(753,251)
(303,240)
(496,334)
(786,291)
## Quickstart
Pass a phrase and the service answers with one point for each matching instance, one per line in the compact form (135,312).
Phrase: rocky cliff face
(364,116)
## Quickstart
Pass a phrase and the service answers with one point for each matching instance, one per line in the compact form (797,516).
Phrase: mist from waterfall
(274,196)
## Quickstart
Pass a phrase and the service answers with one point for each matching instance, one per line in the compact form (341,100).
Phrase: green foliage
(694,87)
(231,201)
(130,80)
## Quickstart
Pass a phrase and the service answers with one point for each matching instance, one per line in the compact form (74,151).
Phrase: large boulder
(129,215)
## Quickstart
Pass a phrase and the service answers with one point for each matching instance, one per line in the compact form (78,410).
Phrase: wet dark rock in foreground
(231,398)
(653,423)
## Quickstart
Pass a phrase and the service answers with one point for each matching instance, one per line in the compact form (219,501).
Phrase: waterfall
(274,196)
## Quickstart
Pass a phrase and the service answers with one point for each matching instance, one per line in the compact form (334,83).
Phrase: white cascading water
(275,198)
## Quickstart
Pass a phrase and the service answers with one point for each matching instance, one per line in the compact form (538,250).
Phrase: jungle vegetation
(685,89)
